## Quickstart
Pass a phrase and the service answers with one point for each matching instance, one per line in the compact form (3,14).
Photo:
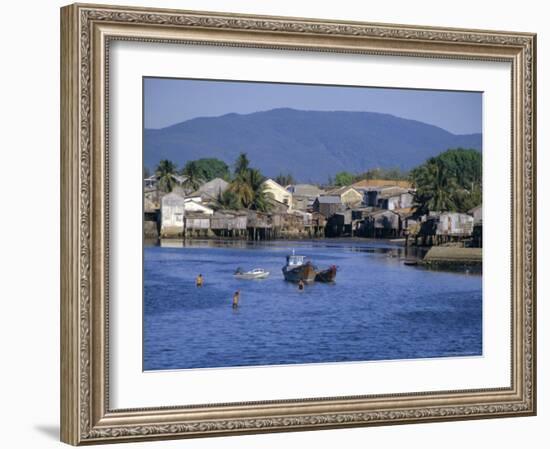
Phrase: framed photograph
(279,224)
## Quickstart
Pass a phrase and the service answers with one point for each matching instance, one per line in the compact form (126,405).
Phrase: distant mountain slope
(311,145)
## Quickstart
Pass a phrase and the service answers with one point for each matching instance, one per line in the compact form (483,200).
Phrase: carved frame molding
(87,31)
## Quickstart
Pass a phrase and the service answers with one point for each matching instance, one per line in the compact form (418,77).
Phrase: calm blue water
(377,309)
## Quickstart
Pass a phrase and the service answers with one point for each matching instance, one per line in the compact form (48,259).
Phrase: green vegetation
(247,188)
(228,200)
(206,169)
(449,182)
(165,171)
(193,175)
(394,174)
(343,178)
(241,164)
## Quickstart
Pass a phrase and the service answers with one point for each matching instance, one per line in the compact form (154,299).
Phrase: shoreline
(398,243)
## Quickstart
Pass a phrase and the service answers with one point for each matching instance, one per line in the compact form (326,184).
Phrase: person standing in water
(301,285)
(199,280)
(236,297)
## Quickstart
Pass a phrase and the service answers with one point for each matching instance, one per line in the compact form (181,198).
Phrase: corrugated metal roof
(329,199)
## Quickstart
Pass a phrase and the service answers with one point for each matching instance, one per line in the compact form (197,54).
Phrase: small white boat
(256,273)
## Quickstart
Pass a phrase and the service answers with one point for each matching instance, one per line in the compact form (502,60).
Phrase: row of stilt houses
(372,209)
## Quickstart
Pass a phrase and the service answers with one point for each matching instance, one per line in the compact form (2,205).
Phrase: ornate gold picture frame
(87,31)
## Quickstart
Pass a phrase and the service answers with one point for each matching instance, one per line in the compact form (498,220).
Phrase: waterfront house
(304,195)
(277,207)
(339,224)
(318,223)
(305,217)
(477,233)
(291,225)
(196,224)
(328,205)
(192,206)
(382,224)
(395,198)
(259,225)
(150,219)
(455,224)
(278,192)
(171,215)
(349,196)
(442,227)
(389,197)
(477,213)
(225,223)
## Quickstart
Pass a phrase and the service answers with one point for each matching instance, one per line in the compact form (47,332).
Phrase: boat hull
(328,275)
(304,273)
(247,276)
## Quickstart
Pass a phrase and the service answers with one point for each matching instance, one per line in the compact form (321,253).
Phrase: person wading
(301,285)
(199,281)
(236,297)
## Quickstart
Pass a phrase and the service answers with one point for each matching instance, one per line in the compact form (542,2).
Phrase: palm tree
(241,164)
(261,201)
(437,188)
(193,176)
(165,173)
(249,190)
(227,200)
(242,191)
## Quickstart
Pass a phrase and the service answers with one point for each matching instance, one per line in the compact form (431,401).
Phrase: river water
(378,308)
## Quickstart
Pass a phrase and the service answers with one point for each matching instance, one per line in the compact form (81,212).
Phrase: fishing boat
(327,275)
(298,269)
(256,273)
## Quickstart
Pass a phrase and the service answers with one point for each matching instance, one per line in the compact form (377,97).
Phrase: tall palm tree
(242,191)
(252,181)
(241,164)
(438,187)
(227,200)
(193,176)
(165,173)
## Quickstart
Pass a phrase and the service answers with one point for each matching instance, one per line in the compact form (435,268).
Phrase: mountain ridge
(311,145)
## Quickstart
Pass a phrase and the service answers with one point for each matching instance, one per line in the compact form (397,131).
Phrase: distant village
(366,208)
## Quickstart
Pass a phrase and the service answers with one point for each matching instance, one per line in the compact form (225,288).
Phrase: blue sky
(170,101)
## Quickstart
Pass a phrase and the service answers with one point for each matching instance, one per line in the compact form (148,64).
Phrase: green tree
(165,172)
(241,164)
(208,169)
(344,178)
(285,179)
(242,191)
(193,175)
(247,188)
(395,174)
(227,200)
(261,198)
(449,182)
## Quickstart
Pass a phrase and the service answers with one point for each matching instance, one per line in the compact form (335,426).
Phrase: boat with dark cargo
(298,269)
(327,275)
